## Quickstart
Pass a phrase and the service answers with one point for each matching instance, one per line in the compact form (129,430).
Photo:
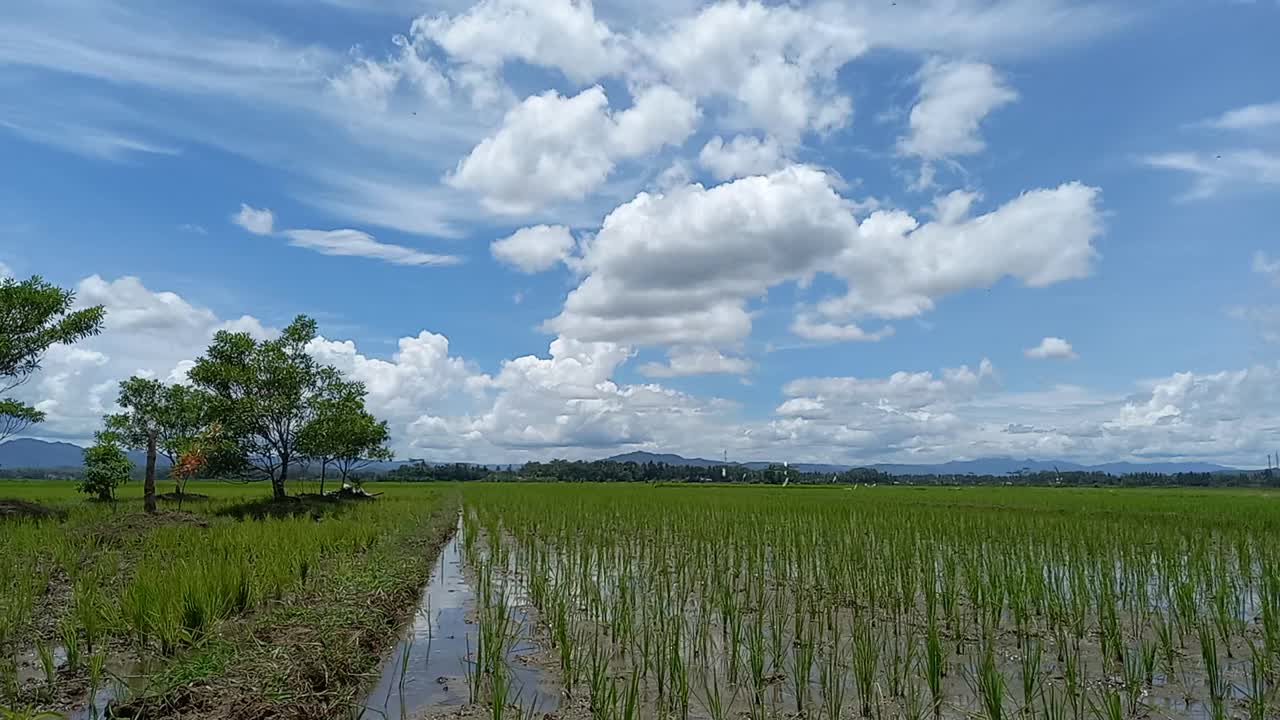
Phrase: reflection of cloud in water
(438,643)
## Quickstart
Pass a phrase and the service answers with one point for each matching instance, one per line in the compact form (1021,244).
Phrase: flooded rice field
(693,603)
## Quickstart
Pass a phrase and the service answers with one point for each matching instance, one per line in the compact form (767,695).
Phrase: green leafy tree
(262,393)
(16,417)
(158,419)
(106,467)
(34,315)
(342,433)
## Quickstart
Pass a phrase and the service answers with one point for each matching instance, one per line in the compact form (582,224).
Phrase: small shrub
(106,467)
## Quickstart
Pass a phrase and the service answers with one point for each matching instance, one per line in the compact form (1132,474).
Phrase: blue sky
(818,231)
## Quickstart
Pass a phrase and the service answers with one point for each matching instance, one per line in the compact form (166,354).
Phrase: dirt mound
(120,526)
(18,509)
(174,496)
(317,506)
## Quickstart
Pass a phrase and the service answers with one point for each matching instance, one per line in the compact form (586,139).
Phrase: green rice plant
(1105,704)
(988,684)
(1168,651)
(9,679)
(1260,670)
(1225,604)
(831,676)
(902,663)
(499,688)
(89,615)
(1053,704)
(755,645)
(1215,680)
(935,664)
(70,642)
(631,698)
(866,646)
(1133,680)
(803,650)
(714,701)
(473,673)
(1148,651)
(678,676)
(528,711)
(604,694)
(47,665)
(915,708)
(1032,678)
(97,670)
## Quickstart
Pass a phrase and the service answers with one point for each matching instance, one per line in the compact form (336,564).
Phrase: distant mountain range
(40,454)
(983,466)
(31,453)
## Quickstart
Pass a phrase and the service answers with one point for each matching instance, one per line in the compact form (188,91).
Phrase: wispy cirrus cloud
(1251,160)
(340,243)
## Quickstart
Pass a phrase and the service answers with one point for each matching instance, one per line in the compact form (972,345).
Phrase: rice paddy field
(885,602)
(205,611)
(651,601)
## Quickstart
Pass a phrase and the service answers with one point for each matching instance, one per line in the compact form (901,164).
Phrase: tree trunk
(149,483)
(277,482)
(324,464)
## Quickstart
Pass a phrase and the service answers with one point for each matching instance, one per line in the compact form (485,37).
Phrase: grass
(214,616)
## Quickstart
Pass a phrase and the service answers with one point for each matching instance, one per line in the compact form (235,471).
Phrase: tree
(159,419)
(106,467)
(341,432)
(262,393)
(16,417)
(34,316)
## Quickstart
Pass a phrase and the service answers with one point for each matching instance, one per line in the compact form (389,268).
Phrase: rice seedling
(988,684)
(866,662)
(1032,655)
(1105,704)
(1215,682)
(47,665)
(1258,696)
(70,643)
(831,677)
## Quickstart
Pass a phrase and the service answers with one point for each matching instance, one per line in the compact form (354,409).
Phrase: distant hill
(41,454)
(681,461)
(30,453)
(982,466)
(667,458)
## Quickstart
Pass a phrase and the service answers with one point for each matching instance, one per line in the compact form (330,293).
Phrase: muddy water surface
(427,670)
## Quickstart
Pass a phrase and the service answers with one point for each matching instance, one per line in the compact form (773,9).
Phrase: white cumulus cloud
(696,361)
(534,249)
(775,64)
(742,156)
(954,98)
(1051,347)
(561,34)
(255,220)
(551,147)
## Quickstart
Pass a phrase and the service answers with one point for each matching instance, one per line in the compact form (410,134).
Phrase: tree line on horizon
(777,474)
(251,409)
